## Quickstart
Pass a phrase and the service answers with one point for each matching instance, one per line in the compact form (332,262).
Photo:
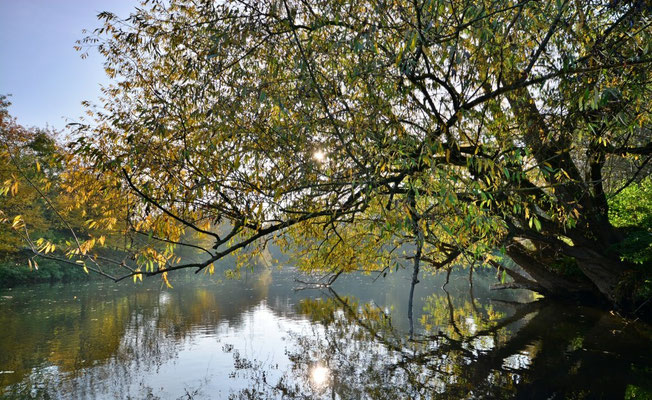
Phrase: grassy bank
(14,273)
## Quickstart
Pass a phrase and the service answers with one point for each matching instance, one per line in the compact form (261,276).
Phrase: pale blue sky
(39,67)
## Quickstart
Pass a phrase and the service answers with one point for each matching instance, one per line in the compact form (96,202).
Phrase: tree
(32,145)
(39,211)
(352,129)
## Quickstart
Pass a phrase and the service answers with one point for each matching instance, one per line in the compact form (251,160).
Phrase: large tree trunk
(594,240)
(593,236)
(550,282)
(604,272)
(601,276)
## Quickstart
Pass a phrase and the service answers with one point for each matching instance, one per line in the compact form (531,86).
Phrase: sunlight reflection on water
(319,376)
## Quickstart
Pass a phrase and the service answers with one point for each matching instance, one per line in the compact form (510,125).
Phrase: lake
(267,336)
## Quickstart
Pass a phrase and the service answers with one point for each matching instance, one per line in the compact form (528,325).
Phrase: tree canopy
(353,132)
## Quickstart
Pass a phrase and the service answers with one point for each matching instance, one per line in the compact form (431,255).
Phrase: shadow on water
(260,338)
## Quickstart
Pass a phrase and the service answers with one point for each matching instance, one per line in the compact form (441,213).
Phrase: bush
(631,209)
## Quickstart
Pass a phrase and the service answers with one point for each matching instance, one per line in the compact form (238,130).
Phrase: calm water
(261,338)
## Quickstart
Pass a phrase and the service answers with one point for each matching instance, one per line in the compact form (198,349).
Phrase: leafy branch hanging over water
(510,123)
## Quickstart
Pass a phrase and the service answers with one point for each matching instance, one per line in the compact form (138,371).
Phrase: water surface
(261,338)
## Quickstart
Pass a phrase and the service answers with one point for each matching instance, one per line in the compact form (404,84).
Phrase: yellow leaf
(14,188)
(165,279)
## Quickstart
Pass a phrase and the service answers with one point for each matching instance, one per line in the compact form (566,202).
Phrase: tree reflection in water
(103,343)
(258,338)
(465,350)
